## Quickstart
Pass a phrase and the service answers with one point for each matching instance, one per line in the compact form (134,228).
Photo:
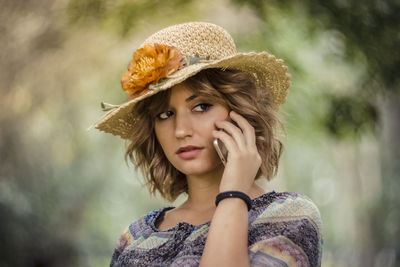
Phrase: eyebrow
(190,98)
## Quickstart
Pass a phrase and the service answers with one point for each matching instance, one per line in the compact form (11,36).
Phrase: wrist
(234,195)
(225,187)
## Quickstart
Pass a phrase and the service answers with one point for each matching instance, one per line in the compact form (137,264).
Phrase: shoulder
(138,229)
(288,222)
(289,205)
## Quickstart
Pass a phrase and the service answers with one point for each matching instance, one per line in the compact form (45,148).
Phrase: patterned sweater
(284,230)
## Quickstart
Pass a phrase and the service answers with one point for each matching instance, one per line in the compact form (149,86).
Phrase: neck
(203,189)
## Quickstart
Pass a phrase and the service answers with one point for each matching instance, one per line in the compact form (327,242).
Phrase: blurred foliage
(125,14)
(369,30)
(66,194)
(370,34)
(350,117)
(369,27)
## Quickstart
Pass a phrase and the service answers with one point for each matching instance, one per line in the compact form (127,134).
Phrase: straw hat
(176,53)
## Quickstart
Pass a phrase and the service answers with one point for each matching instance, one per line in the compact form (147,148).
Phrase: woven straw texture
(208,41)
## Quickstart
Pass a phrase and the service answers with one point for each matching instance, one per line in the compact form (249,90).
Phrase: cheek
(205,127)
(208,123)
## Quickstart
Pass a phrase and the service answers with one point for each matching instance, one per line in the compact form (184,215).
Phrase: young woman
(188,87)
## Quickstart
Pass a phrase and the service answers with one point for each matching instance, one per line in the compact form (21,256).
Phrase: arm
(226,243)
(227,239)
(287,230)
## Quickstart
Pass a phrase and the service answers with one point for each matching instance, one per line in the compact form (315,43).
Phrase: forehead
(181,93)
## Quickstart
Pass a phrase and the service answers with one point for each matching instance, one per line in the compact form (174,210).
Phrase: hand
(243,159)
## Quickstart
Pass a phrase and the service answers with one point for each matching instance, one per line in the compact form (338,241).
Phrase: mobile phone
(221,150)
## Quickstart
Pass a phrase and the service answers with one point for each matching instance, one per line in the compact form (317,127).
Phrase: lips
(189,152)
(187,149)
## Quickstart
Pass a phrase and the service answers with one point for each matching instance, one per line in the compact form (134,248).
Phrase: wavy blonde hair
(232,88)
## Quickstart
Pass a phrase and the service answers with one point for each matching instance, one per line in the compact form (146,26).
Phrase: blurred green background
(66,193)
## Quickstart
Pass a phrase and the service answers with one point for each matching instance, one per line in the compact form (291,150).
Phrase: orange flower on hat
(150,64)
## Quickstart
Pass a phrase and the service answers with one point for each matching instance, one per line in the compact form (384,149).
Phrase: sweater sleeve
(137,239)
(123,242)
(287,232)
(131,236)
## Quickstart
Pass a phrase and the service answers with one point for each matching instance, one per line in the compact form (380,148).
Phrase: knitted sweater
(284,230)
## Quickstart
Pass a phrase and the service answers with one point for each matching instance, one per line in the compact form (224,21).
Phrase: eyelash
(204,108)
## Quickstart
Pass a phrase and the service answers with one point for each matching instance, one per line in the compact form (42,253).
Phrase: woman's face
(184,131)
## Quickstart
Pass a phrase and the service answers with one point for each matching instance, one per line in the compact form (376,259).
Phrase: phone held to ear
(221,150)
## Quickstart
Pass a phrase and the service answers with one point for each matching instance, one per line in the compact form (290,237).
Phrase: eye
(164,115)
(202,107)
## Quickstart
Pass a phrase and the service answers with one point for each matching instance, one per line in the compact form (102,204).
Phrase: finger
(245,126)
(233,131)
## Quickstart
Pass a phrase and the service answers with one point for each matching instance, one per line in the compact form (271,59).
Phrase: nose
(183,126)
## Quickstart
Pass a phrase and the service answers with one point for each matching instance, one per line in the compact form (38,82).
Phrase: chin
(198,168)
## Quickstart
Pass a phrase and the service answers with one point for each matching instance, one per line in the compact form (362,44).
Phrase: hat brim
(269,72)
